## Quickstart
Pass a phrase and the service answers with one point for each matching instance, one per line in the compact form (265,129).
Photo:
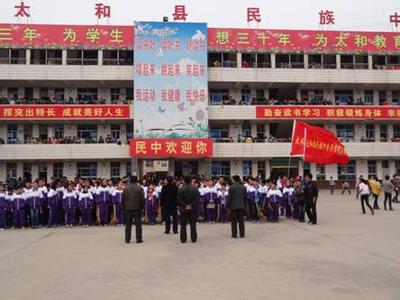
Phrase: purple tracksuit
(86,205)
(274,198)
(293,203)
(3,209)
(223,206)
(286,202)
(200,206)
(44,216)
(151,208)
(52,204)
(18,207)
(116,198)
(69,204)
(103,200)
(34,202)
(60,209)
(211,203)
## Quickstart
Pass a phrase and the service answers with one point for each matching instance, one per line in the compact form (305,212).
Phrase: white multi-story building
(105,76)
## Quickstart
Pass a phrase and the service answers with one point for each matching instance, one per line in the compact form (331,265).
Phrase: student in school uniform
(52,205)
(262,195)
(69,204)
(18,208)
(27,189)
(3,207)
(34,199)
(274,197)
(44,209)
(223,203)
(287,195)
(9,213)
(60,190)
(151,205)
(252,201)
(85,201)
(300,199)
(116,199)
(211,199)
(103,200)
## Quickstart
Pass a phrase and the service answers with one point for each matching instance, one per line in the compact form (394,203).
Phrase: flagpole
(290,157)
(305,144)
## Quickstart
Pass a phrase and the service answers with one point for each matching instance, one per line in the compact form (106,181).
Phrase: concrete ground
(346,256)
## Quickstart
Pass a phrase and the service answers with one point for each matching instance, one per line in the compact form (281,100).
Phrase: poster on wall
(170,80)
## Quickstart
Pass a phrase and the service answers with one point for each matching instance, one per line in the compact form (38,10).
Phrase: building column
(3,171)
(313,170)
(392,167)
(267,168)
(266,130)
(379,170)
(28,56)
(254,168)
(338,61)
(35,171)
(305,61)
(20,170)
(331,171)
(390,131)
(236,167)
(134,166)
(70,170)
(301,167)
(20,132)
(377,133)
(298,93)
(64,57)
(253,130)
(273,61)
(35,131)
(370,63)
(359,132)
(361,168)
(376,97)
(239,59)
(100,57)
(49,171)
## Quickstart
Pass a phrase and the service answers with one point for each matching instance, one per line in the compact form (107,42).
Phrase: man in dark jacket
(237,203)
(311,197)
(188,197)
(133,202)
(169,203)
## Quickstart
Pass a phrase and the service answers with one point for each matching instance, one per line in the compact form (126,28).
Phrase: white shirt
(364,189)
(274,192)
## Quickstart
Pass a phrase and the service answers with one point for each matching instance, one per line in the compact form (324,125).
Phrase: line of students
(87,203)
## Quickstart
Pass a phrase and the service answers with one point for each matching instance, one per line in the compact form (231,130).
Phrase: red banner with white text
(303,40)
(66,36)
(43,112)
(315,112)
(171,148)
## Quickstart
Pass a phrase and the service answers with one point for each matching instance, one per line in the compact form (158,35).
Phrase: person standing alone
(169,203)
(133,203)
(237,203)
(188,197)
(311,197)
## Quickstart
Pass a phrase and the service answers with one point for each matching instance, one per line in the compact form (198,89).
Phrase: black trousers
(396,196)
(344,189)
(301,205)
(237,217)
(188,216)
(376,201)
(129,216)
(365,199)
(311,211)
(169,212)
(388,197)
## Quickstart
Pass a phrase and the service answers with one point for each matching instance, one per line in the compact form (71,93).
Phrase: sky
(369,15)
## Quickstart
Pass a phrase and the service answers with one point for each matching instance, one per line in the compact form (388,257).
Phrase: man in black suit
(133,203)
(311,197)
(169,203)
(188,197)
(237,203)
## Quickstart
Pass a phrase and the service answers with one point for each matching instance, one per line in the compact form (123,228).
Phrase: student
(3,207)
(85,204)
(44,209)
(116,199)
(223,203)
(364,192)
(60,190)
(251,198)
(300,199)
(375,190)
(52,204)
(18,208)
(274,197)
(69,205)
(34,200)
(346,187)
(287,195)
(388,189)
(151,206)
(103,200)
(332,185)
(210,199)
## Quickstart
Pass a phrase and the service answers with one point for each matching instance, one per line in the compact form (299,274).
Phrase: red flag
(317,145)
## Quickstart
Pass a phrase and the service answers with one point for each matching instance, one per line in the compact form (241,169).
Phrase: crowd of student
(98,202)
(68,140)
(53,100)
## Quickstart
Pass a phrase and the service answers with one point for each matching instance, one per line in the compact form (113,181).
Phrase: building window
(344,97)
(18,56)
(129,94)
(246,129)
(260,132)
(115,131)
(395,97)
(87,169)
(220,168)
(369,97)
(43,132)
(58,170)
(128,169)
(43,171)
(246,96)
(87,94)
(382,97)
(27,171)
(193,168)
(11,171)
(320,172)
(12,134)
(385,164)
(371,168)
(261,169)
(345,132)
(115,167)
(218,96)
(59,94)
(384,135)
(129,131)
(397,166)
(12,93)
(87,131)
(370,132)
(396,131)
(247,168)
(347,172)
(59,131)
(306,168)
(115,95)
(219,131)
(28,133)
